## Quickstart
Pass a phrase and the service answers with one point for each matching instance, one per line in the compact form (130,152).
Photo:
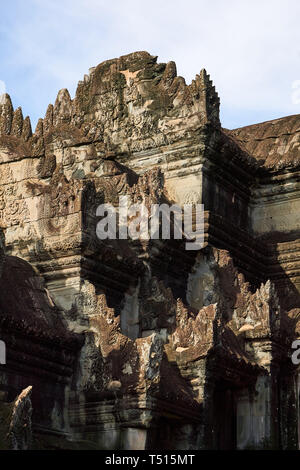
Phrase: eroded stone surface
(142,344)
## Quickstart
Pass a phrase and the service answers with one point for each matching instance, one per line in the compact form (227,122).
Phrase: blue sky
(251,48)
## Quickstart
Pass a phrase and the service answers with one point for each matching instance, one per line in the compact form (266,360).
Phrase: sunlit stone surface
(134,345)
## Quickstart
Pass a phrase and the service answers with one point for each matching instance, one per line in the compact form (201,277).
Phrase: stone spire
(208,97)
(17,123)
(6,114)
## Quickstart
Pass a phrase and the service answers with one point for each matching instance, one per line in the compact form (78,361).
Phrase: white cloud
(296,92)
(2,90)
(251,48)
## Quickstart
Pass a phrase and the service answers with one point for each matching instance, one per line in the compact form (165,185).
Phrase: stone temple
(130,344)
